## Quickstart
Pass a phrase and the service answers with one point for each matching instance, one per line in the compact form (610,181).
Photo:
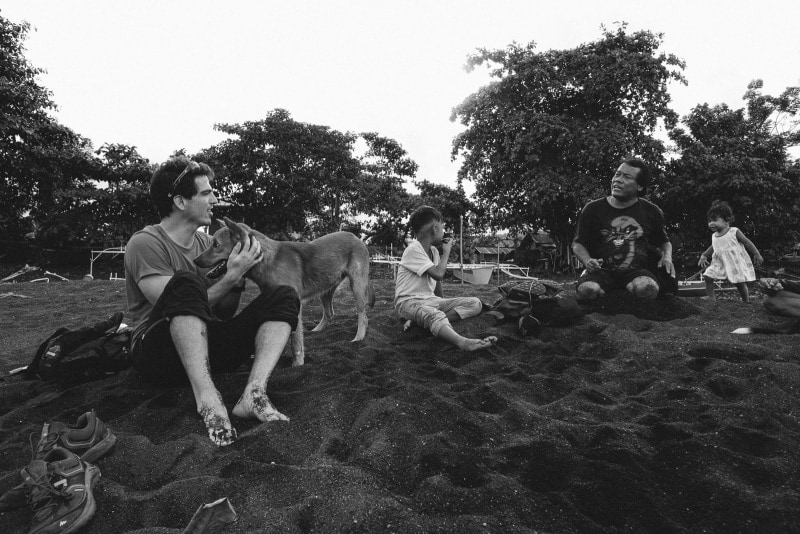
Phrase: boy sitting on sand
(418,288)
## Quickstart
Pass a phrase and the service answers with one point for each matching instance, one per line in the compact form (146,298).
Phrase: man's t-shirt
(412,282)
(151,251)
(623,238)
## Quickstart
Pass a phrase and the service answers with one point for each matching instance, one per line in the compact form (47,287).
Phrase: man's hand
(667,265)
(770,286)
(243,257)
(593,265)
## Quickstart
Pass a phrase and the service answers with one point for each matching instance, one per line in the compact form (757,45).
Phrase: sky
(158,74)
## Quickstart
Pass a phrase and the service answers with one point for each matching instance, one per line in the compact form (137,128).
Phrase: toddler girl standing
(730,260)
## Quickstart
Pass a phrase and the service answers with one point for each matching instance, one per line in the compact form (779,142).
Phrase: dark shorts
(610,280)
(230,343)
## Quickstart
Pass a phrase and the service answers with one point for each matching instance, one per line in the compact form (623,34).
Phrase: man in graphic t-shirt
(621,240)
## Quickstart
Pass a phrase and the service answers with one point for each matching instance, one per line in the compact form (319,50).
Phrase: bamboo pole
(461,245)
(498,263)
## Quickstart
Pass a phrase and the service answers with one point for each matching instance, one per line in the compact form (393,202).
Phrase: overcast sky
(158,74)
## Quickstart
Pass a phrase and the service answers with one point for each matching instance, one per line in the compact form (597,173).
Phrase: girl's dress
(730,259)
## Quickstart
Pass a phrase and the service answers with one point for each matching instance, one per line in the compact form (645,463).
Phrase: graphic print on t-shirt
(623,246)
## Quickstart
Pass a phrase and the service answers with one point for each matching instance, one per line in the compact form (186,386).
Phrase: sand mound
(643,418)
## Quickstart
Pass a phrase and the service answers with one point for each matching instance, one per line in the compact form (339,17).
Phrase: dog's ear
(215,225)
(238,231)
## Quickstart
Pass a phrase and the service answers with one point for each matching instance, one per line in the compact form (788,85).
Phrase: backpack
(534,303)
(84,354)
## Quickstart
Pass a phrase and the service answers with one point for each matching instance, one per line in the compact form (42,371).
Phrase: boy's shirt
(412,282)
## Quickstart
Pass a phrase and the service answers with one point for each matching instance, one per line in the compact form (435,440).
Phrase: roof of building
(493,250)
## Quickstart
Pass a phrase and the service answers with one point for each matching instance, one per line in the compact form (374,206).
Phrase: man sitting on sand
(621,240)
(183,325)
(418,292)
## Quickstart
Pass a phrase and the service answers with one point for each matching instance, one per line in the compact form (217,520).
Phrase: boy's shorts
(431,313)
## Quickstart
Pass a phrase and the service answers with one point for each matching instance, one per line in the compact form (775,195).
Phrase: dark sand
(643,418)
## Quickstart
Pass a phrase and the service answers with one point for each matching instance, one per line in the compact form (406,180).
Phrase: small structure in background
(96,254)
(791,262)
(537,250)
(497,254)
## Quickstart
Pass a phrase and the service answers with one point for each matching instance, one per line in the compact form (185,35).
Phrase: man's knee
(778,306)
(589,291)
(186,284)
(643,287)
(184,294)
(279,304)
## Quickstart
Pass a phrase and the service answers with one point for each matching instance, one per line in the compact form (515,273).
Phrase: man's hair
(422,216)
(161,191)
(721,209)
(643,176)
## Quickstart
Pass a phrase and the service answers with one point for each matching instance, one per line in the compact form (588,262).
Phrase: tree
(38,156)
(281,174)
(380,189)
(451,203)
(545,137)
(106,207)
(740,156)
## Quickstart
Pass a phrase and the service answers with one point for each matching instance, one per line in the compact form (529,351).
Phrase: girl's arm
(750,247)
(702,261)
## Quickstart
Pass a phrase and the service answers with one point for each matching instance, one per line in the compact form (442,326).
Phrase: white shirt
(412,281)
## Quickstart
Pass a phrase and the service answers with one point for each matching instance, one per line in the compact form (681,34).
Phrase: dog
(312,268)
(792,327)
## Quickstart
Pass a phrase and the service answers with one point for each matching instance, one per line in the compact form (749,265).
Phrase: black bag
(81,355)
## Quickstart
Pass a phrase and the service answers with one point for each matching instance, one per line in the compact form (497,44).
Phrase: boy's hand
(447,245)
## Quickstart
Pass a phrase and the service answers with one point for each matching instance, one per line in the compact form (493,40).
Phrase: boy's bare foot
(218,425)
(470,345)
(255,404)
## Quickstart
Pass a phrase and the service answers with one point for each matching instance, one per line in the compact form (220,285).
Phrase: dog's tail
(792,327)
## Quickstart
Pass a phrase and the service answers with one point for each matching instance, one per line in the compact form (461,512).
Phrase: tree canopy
(544,137)
(38,156)
(283,175)
(740,156)
(540,141)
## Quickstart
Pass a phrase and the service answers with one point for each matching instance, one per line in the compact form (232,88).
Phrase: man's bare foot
(477,344)
(218,425)
(254,404)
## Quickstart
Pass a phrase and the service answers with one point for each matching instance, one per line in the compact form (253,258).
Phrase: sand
(642,418)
